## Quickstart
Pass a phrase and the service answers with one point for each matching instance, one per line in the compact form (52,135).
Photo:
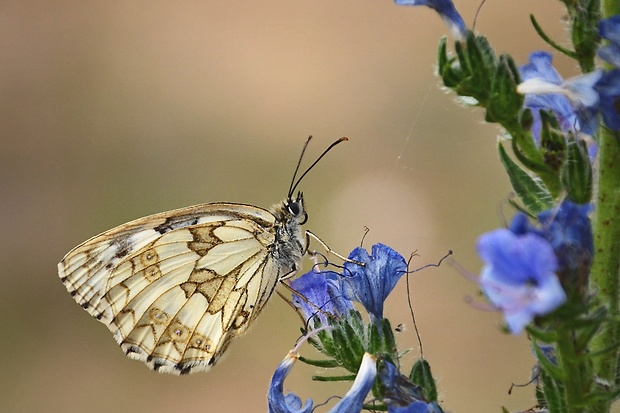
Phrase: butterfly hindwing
(175,288)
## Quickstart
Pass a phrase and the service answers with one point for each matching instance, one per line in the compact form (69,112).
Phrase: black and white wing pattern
(176,287)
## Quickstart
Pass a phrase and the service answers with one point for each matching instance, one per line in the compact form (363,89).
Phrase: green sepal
(504,102)
(320,363)
(389,342)
(546,365)
(470,73)
(540,335)
(449,74)
(577,173)
(375,407)
(601,396)
(422,376)
(555,394)
(552,142)
(585,15)
(375,340)
(325,343)
(349,343)
(477,62)
(533,193)
(586,329)
(529,155)
(526,119)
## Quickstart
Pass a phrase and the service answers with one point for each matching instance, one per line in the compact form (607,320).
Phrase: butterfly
(176,287)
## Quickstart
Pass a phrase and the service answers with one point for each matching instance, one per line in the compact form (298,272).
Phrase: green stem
(576,387)
(605,273)
(610,8)
(606,268)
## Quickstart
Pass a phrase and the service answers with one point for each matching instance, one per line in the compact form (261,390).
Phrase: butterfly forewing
(174,288)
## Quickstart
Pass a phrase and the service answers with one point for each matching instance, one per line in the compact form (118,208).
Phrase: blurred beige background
(115,110)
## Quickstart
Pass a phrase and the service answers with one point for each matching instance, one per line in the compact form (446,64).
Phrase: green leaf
(422,376)
(549,41)
(534,194)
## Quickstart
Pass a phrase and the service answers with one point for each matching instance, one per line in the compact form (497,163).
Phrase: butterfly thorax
(290,241)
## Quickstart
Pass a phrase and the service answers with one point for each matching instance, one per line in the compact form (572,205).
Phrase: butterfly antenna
(291,188)
(294,186)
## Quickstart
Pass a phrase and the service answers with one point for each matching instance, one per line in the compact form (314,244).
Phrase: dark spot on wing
(173,223)
(132,349)
(157,365)
(183,369)
(123,246)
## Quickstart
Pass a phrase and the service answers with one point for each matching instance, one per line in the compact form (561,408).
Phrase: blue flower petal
(608,89)
(610,29)
(322,296)
(518,277)
(569,232)
(574,102)
(447,12)
(415,407)
(372,283)
(354,399)
(399,389)
(289,403)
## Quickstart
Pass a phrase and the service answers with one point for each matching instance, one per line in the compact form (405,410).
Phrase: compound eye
(294,208)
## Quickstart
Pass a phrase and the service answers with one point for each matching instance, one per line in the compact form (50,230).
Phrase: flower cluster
(576,102)
(524,265)
(561,151)
(564,165)
(336,329)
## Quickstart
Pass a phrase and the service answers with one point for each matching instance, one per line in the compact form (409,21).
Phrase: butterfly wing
(174,288)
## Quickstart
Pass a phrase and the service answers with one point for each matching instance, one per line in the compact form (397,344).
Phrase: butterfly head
(295,207)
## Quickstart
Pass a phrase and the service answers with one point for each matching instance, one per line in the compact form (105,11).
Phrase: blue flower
(447,12)
(371,283)
(608,89)
(519,276)
(289,403)
(354,399)
(610,29)
(416,407)
(351,402)
(322,295)
(401,395)
(569,232)
(574,101)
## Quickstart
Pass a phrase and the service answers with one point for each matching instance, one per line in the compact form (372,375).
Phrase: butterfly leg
(329,250)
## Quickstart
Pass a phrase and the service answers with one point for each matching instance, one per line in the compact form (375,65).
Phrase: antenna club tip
(343,139)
